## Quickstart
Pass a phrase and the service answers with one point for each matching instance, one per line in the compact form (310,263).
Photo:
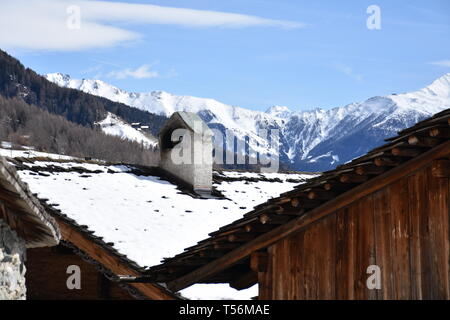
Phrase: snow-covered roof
(141,214)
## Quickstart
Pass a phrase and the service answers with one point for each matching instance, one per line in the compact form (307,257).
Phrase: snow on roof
(145,217)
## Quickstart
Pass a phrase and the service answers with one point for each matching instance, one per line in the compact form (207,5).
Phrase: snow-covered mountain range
(312,140)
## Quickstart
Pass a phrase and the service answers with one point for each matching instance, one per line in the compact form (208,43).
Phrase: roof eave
(45,230)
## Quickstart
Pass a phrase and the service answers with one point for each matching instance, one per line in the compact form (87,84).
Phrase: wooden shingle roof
(225,254)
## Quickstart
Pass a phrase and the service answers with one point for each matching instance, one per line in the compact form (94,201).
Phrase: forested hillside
(25,124)
(76,106)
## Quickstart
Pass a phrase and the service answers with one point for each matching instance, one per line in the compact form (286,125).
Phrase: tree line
(24,124)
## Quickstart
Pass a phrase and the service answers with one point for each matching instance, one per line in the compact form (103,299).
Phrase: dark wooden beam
(352,178)
(387,161)
(369,170)
(443,133)
(406,152)
(178,269)
(267,218)
(225,246)
(420,141)
(226,232)
(278,209)
(289,211)
(193,261)
(295,202)
(282,201)
(309,204)
(259,261)
(212,254)
(240,223)
(337,186)
(246,281)
(314,215)
(320,194)
(241,237)
(258,228)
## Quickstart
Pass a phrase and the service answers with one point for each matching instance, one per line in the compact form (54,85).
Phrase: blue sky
(302,54)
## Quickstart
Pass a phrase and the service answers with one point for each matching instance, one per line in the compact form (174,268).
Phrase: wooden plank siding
(110,261)
(46,278)
(403,228)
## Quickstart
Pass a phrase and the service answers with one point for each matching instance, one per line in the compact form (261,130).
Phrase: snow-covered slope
(310,140)
(114,125)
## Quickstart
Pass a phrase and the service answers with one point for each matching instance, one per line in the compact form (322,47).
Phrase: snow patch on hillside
(114,125)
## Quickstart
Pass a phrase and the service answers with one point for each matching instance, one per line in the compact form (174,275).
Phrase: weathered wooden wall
(46,277)
(403,228)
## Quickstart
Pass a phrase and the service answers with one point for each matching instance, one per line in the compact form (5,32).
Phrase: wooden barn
(374,228)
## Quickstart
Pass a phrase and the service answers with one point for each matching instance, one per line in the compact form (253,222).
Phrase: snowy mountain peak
(441,86)
(60,79)
(95,87)
(279,111)
(429,100)
(313,140)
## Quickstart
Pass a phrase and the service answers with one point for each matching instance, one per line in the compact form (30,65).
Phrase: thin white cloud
(153,14)
(94,69)
(43,24)
(172,73)
(348,71)
(142,72)
(442,63)
(145,71)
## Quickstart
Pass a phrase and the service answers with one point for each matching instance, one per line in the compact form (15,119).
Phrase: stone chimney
(185,143)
